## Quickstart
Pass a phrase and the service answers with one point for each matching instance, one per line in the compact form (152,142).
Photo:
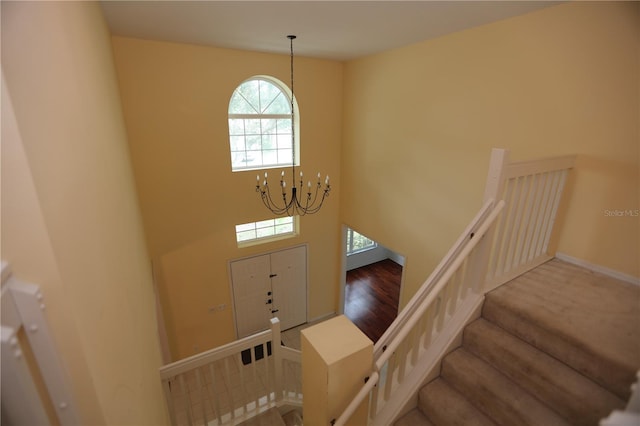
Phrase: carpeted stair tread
(494,394)
(569,393)
(444,406)
(585,319)
(413,418)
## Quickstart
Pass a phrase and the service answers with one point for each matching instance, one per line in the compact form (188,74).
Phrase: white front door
(289,283)
(251,294)
(270,285)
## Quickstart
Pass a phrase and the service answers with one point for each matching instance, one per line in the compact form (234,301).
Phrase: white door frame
(233,308)
(343,269)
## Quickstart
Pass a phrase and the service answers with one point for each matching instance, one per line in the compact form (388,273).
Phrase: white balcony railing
(229,384)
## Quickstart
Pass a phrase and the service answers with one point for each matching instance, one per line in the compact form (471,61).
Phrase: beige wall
(175,99)
(420,123)
(70,220)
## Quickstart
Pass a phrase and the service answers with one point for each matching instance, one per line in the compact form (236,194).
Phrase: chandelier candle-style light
(302,200)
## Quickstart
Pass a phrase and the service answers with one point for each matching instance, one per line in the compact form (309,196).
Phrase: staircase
(558,345)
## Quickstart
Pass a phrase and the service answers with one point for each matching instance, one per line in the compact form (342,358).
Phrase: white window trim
(350,233)
(296,123)
(270,238)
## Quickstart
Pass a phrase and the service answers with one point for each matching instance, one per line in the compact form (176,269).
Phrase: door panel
(290,286)
(251,285)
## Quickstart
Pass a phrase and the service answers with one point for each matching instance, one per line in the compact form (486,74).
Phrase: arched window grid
(260,134)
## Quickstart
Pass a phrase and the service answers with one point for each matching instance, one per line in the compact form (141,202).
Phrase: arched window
(260,125)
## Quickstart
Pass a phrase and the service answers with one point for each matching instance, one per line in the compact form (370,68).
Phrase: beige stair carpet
(558,345)
(588,320)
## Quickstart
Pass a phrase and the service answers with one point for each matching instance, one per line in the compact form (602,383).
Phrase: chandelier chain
(293,126)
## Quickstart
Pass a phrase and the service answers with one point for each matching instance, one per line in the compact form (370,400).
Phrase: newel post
(336,360)
(277,356)
(495,176)
(492,191)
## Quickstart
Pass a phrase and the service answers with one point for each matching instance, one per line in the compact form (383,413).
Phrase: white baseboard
(600,269)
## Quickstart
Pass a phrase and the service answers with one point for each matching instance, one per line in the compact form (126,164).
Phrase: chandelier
(302,200)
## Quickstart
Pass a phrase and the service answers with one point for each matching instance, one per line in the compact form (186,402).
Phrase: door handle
(273,311)
(273,275)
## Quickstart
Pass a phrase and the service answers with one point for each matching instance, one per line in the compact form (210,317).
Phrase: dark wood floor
(372,294)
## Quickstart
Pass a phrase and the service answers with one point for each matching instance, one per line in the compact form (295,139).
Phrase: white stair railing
(532,191)
(438,272)
(484,257)
(454,292)
(237,381)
